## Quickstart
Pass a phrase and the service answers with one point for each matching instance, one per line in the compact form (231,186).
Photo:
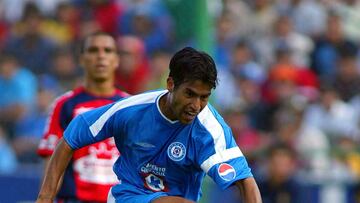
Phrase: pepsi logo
(226,172)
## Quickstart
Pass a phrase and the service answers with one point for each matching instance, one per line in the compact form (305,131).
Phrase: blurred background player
(89,176)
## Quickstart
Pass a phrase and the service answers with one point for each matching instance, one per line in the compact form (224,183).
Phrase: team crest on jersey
(176,151)
(226,172)
(154,183)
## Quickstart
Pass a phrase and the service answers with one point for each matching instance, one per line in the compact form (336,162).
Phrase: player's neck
(165,106)
(100,88)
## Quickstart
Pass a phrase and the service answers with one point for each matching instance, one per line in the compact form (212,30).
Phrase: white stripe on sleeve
(144,98)
(222,154)
(209,121)
(220,157)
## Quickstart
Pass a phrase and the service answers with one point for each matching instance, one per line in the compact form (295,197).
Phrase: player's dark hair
(95,34)
(189,64)
(7,57)
(279,146)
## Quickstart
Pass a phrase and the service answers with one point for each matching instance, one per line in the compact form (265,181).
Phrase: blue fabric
(159,155)
(130,194)
(36,57)
(32,125)
(8,162)
(21,88)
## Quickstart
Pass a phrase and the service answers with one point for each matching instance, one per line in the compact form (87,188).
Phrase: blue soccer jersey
(160,156)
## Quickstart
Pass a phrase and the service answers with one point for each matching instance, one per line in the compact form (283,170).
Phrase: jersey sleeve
(91,127)
(53,130)
(218,154)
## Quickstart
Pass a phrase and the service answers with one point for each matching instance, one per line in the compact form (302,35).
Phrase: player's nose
(196,104)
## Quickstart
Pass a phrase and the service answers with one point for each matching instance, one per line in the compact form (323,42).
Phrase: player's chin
(185,122)
(101,78)
(187,119)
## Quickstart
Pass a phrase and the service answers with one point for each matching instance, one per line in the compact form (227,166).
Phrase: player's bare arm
(172,199)
(249,190)
(46,164)
(56,167)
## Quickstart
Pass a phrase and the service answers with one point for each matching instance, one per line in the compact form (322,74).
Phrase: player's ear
(170,84)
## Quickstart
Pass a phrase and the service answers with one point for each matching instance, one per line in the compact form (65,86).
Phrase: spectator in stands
(280,184)
(133,72)
(30,129)
(150,21)
(325,53)
(309,17)
(263,15)
(159,62)
(347,78)
(347,152)
(279,87)
(356,193)
(348,10)
(63,27)
(104,12)
(310,143)
(8,162)
(332,115)
(299,45)
(241,82)
(18,88)
(4,30)
(64,69)
(237,16)
(28,45)
(226,36)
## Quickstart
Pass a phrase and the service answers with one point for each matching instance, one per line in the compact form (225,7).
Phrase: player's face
(100,58)
(188,99)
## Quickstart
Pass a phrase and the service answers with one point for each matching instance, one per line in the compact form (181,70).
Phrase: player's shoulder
(210,122)
(121,93)
(63,98)
(142,98)
(209,115)
(66,98)
(138,100)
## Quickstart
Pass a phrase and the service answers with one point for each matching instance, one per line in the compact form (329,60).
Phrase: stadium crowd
(289,79)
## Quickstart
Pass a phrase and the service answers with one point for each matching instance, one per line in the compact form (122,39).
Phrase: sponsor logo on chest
(154,177)
(154,169)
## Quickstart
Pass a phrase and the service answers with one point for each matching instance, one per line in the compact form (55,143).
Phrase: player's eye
(189,94)
(92,50)
(204,98)
(109,50)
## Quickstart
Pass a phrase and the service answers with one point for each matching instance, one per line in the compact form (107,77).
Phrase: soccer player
(89,175)
(168,140)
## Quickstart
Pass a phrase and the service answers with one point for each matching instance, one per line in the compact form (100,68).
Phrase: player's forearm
(49,187)
(249,190)
(46,164)
(54,171)
(50,184)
